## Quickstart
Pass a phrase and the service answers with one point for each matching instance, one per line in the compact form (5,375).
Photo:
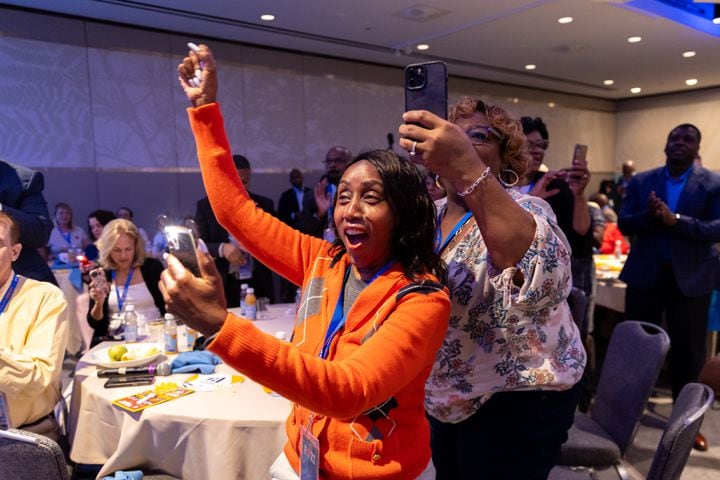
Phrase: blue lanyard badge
(440,245)
(338,319)
(121,298)
(8,293)
(66,236)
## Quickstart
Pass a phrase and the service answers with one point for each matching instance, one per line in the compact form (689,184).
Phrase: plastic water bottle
(243,293)
(170,334)
(250,304)
(618,249)
(131,324)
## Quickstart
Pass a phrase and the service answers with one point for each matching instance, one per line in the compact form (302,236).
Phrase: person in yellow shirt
(33,334)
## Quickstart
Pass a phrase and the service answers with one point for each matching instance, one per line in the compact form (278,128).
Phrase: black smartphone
(181,243)
(129,381)
(426,88)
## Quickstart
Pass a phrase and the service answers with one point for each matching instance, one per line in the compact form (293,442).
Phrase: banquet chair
(578,302)
(679,434)
(677,439)
(39,458)
(635,355)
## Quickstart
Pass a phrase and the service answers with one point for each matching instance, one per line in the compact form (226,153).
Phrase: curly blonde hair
(513,150)
(110,235)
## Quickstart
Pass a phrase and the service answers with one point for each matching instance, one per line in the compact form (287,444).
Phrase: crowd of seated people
(466,228)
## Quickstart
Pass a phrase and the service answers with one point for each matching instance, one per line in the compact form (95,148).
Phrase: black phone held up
(129,381)
(426,88)
(181,243)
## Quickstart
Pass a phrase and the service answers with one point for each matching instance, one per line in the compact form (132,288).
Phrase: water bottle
(170,334)
(181,335)
(250,304)
(243,293)
(131,324)
(618,249)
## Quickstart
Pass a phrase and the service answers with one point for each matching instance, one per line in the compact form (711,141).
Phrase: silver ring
(412,149)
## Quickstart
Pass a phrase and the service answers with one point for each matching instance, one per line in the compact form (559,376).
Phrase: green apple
(116,352)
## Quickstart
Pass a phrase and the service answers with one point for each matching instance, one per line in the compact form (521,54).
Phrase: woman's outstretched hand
(198,76)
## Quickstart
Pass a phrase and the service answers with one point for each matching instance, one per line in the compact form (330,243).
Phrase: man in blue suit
(674,214)
(21,196)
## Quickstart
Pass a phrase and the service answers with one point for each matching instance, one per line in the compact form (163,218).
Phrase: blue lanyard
(66,236)
(440,245)
(8,293)
(338,319)
(121,299)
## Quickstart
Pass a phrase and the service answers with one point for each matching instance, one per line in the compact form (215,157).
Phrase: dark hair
(13,226)
(687,125)
(414,235)
(534,125)
(241,162)
(132,215)
(103,217)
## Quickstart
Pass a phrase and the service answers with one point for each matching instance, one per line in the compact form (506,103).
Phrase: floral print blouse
(503,336)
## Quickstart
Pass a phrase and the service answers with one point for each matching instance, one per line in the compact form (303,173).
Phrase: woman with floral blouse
(500,397)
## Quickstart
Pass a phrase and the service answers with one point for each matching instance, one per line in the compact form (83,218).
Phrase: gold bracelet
(475,184)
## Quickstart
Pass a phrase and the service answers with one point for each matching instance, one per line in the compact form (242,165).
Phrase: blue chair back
(634,358)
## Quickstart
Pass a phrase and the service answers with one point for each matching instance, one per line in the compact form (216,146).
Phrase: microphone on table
(162,370)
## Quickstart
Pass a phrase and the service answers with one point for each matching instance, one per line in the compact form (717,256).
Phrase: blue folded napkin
(130,475)
(75,278)
(195,361)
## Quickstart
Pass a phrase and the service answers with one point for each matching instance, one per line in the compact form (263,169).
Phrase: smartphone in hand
(98,280)
(579,154)
(181,243)
(426,88)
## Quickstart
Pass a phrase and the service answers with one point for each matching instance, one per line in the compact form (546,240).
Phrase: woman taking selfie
(128,278)
(500,397)
(372,314)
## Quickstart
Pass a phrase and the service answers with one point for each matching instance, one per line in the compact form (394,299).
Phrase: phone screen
(181,243)
(579,154)
(129,381)
(426,88)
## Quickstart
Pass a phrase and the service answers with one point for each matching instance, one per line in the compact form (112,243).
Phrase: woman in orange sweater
(372,315)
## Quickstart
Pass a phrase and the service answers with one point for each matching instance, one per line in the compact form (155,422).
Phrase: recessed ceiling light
(689,53)
(551,104)
(608,82)
(423,46)
(716,21)
(691,81)
(268,17)
(530,66)
(636,90)
(634,39)
(565,20)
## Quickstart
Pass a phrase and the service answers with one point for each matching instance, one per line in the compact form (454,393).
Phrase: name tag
(309,456)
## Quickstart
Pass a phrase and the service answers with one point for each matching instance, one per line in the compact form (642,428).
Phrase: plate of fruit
(126,355)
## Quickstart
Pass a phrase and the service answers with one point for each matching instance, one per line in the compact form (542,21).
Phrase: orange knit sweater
(367,397)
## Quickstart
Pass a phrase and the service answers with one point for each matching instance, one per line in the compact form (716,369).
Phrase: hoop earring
(437,182)
(509,184)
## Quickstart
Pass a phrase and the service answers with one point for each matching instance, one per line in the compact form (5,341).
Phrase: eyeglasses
(480,134)
(541,144)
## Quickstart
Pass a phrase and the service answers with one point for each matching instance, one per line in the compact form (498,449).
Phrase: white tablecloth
(75,338)
(611,294)
(232,433)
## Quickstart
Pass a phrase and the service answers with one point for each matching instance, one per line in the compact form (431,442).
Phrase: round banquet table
(230,433)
